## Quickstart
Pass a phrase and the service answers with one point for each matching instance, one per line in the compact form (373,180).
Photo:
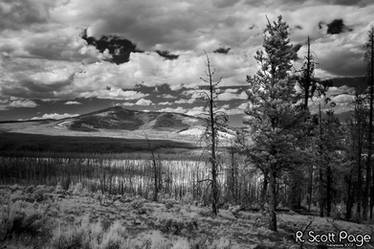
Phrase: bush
(88,235)
(22,219)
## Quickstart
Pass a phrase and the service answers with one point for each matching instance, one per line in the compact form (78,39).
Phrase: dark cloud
(222,50)
(343,62)
(118,48)
(167,55)
(337,26)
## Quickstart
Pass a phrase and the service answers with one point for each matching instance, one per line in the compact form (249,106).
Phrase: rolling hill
(115,123)
(118,118)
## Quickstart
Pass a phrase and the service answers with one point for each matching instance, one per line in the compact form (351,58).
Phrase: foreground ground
(50,217)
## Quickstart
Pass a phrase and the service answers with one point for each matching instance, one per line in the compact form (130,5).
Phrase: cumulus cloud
(196,111)
(17,14)
(114,93)
(343,98)
(43,55)
(144,102)
(21,103)
(228,95)
(193,111)
(239,109)
(164,103)
(185,101)
(72,102)
(333,91)
(55,116)
(178,109)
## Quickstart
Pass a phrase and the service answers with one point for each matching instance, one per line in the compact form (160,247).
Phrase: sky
(67,57)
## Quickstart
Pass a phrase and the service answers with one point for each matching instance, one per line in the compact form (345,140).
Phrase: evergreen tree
(310,87)
(369,187)
(273,113)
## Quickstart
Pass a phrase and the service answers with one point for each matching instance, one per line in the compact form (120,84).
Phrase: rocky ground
(50,217)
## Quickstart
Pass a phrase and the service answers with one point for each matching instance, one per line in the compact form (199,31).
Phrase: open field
(19,142)
(50,217)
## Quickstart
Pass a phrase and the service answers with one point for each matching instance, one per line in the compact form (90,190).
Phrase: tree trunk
(233,177)
(155,177)
(213,141)
(308,82)
(349,205)
(320,167)
(272,199)
(310,187)
(264,191)
(359,174)
(370,135)
(328,191)
(295,190)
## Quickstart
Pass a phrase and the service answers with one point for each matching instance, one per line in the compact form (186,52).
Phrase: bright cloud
(72,102)
(22,103)
(42,54)
(55,116)
(144,102)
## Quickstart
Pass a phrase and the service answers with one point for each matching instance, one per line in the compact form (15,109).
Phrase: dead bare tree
(156,171)
(216,121)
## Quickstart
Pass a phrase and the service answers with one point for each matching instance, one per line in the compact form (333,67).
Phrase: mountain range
(118,122)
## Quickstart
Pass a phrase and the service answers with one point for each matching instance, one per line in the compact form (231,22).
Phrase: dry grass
(50,217)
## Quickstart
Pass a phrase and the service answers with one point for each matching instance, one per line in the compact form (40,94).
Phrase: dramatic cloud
(222,50)
(167,55)
(117,47)
(337,26)
(128,50)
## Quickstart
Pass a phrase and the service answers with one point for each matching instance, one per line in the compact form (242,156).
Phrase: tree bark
(264,191)
(310,187)
(213,141)
(349,205)
(359,173)
(328,191)
(320,179)
(272,199)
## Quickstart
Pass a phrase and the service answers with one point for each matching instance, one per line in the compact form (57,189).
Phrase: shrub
(22,219)
(88,235)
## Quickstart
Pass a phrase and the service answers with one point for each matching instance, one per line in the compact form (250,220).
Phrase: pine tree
(358,125)
(369,56)
(310,87)
(369,166)
(273,113)
(309,84)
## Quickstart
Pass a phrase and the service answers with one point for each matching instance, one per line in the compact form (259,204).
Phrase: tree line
(326,163)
